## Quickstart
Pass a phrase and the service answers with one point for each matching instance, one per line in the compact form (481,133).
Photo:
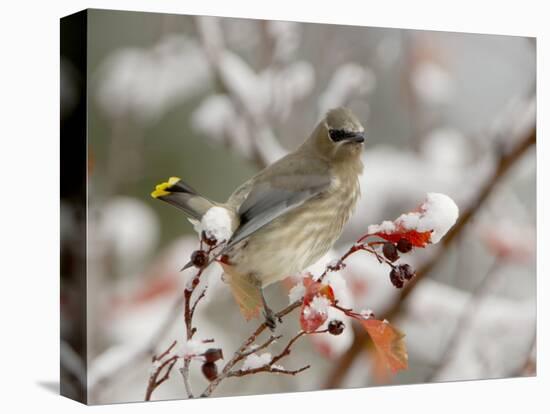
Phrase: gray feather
(269,199)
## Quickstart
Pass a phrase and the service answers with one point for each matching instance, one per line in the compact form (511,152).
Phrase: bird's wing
(273,195)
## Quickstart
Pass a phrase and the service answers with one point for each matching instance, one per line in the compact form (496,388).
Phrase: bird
(288,215)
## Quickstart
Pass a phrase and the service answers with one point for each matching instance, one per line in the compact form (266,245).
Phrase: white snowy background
(213,100)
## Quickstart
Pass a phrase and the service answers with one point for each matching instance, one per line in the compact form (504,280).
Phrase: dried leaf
(389,343)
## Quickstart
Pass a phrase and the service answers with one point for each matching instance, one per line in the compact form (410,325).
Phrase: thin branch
(184,371)
(165,353)
(166,366)
(253,350)
(189,311)
(237,356)
(147,350)
(202,294)
(267,368)
(358,246)
(270,366)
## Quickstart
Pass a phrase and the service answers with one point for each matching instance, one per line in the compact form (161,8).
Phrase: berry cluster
(401,273)
(391,250)
(209,367)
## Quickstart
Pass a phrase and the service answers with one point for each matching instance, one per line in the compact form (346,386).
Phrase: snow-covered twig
(244,348)
(133,358)
(267,343)
(160,364)
(189,308)
(270,366)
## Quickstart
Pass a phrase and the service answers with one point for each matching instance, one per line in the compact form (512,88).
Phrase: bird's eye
(337,135)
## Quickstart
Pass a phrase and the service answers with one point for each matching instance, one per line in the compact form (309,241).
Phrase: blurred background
(214,100)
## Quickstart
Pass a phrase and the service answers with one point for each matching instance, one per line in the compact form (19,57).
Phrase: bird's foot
(270,319)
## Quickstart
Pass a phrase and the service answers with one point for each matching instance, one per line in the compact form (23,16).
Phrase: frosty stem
(155,380)
(358,246)
(189,312)
(244,348)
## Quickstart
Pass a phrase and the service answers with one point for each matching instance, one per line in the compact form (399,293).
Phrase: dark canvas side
(73,160)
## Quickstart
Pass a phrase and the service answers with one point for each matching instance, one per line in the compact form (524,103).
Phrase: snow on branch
(427,224)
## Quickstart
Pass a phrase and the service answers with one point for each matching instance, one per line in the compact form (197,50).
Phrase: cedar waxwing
(287,216)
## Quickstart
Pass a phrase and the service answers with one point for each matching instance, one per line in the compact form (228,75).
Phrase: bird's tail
(176,192)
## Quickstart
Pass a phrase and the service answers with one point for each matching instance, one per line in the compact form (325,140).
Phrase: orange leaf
(314,288)
(418,239)
(389,343)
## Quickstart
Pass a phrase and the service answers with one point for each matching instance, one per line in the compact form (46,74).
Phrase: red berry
(336,327)
(390,252)
(213,354)
(210,371)
(199,258)
(209,240)
(404,245)
(396,277)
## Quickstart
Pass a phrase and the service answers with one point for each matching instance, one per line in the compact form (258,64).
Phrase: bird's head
(339,136)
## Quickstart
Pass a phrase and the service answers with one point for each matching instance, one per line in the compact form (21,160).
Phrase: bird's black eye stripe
(340,134)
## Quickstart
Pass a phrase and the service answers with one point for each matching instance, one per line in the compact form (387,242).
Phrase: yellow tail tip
(162,188)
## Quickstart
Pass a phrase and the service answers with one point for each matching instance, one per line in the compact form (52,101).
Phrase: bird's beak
(358,137)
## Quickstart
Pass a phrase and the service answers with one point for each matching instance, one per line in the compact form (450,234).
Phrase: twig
(358,246)
(237,356)
(189,312)
(270,366)
(166,366)
(505,162)
(147,350)
(165,353)
(270,340)
(184,371)
(352,313)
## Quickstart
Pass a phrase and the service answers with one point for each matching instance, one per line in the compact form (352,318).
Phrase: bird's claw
(270,319)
